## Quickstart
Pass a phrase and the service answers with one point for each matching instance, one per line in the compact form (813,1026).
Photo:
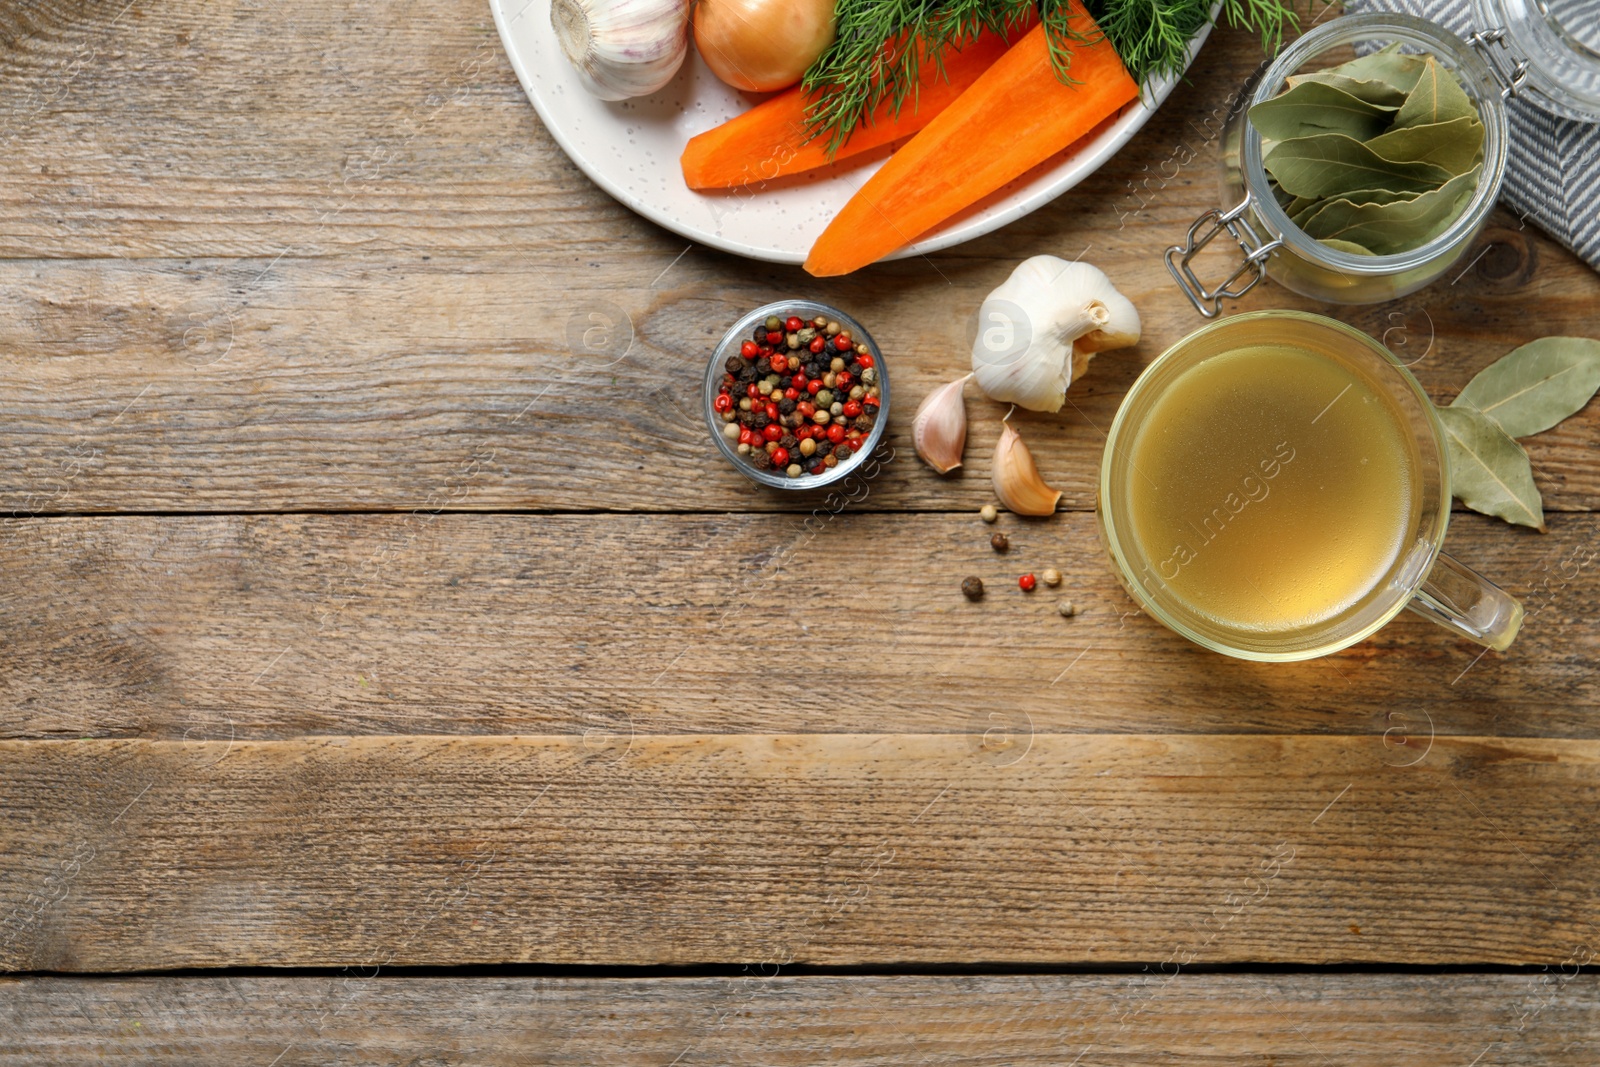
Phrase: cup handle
(1459,598)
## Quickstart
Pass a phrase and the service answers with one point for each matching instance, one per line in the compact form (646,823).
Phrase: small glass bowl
(742,331)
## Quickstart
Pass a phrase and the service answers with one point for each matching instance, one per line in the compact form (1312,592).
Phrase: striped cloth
(1553,165)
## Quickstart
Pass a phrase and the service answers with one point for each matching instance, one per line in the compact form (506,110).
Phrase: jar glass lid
(1547,50)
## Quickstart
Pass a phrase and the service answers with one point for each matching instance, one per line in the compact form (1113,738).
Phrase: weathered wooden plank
(195,380)
(828,849)
(240,129)
(273,626)
(381,384)
(1422,1020)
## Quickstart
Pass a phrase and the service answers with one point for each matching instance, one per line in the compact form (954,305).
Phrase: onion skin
(761,46)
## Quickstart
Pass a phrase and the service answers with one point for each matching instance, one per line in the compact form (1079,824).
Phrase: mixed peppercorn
(801,396)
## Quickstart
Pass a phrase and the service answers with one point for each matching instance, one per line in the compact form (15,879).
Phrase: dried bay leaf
(1394,227)
(1384,94)
(1388,65)
(1348,246)
(1350,167)
(1534,387)
(1489,472)
(1314,108)
(1302,206)
(1333,164)
(1438,97)
(1457,145)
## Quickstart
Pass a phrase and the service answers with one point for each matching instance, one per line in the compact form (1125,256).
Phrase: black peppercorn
(759,459)
(734,365)
(824,446)
(843,452)
(786,406)
(761,421)
(862,423)
(759,334)
(972,588)
(999,542)
(789,441)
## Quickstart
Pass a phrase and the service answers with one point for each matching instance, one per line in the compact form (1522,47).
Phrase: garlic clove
(1016,478)
(939,430)
(1039,329)
(622,48)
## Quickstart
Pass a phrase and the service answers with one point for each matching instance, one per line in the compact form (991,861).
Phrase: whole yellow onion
(762,45)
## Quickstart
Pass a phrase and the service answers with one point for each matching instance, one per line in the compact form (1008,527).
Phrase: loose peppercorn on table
(393,672)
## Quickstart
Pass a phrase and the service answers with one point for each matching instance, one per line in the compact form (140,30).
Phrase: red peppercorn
(793,324)
(772,431)
(1027,582)
(819,468)
(791,393)
(746,436)
(752,391)
(780,457)
(780,363)
(749,350)
(814,386)
(852,408)
(722,403)
(843,379)
(774,337)
(806,408)
(843,342)
(870,401)
(864,359)
(772,410)
(836,432)
(818,344)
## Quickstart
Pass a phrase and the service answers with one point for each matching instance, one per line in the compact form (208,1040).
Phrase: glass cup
(1418,576)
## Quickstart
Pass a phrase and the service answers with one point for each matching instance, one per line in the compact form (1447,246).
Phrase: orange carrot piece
(769,140)
(1016,115)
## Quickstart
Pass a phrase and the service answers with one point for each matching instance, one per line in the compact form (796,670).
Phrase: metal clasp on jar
(1511,81)
(1237,224)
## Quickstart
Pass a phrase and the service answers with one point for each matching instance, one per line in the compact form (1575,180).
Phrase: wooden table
(388,679)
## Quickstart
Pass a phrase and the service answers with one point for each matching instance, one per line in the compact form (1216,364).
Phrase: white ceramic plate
(631,148)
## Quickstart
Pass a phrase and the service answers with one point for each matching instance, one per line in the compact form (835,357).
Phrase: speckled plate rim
(1021,197)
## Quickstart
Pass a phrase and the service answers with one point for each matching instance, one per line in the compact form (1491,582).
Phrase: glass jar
(1528,54)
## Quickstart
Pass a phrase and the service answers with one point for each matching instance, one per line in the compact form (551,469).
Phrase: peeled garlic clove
(939,430)
(1038,330)
(1016,478)
(622,48)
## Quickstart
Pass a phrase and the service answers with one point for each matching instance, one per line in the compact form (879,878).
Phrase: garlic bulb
(1038,330)
(939,430)
(1016,478)
(622,48)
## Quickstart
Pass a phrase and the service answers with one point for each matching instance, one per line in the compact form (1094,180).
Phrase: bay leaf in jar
(1380,154)
(1386,229)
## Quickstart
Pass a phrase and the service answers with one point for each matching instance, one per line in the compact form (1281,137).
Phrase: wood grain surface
(351,270)
(830,849)
(289,258)
(273,626)
(1354,1020)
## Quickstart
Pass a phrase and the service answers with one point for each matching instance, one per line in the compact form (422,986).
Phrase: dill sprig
(875,56)
(1152,36)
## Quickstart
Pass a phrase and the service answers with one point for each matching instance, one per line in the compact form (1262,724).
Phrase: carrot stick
(769,140)
(1016,115)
